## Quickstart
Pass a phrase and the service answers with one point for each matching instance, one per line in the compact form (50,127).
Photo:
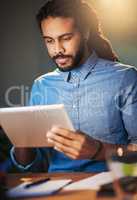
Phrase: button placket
(75,105)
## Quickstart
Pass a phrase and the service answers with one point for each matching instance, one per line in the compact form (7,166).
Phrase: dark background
(22,53)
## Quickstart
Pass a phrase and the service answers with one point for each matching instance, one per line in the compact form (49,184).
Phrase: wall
(22,53)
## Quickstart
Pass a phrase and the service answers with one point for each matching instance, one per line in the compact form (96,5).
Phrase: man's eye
(67,38)
(49,41)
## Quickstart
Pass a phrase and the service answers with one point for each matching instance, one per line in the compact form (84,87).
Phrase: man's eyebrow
(63,35)
(66,34)
(47,37)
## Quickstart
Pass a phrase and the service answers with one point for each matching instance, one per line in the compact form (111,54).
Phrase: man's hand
(76,145)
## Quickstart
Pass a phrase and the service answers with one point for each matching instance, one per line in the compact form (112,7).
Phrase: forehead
(55,26)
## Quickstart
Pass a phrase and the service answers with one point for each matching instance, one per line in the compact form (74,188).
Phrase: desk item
(37,182)
(27,126)
(123,165)
(128,185)
(106,190)
(90,194)
(45,188)
(93,182)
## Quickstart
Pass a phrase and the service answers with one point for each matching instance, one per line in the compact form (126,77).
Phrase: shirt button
(75,84)
(74,106)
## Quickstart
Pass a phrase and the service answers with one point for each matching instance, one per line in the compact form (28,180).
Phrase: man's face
(64,42)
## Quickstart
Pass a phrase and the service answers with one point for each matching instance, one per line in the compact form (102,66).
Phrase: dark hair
(84,16)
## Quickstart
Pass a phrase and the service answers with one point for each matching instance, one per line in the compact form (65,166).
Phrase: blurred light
(26,179)
(119,15)
(120,151)
(107,3)
(118,6)
(116,2)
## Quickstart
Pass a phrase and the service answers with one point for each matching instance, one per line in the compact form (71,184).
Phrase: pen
(37,182)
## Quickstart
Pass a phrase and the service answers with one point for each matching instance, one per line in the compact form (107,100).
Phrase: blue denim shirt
(101,100)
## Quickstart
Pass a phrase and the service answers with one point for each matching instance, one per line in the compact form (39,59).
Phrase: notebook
(48,188)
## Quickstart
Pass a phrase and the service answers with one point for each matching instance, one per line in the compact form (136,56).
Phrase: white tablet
(27,126)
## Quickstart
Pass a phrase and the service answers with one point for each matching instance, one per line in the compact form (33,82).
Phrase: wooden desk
(15,179)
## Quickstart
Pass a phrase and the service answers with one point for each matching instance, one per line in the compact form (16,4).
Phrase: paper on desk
(93,182)
(46,188)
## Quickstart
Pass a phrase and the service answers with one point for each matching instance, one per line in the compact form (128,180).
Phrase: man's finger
(59,139)
(64,132)
(65,149)
(63,140)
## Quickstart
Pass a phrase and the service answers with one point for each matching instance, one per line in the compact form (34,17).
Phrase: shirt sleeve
(31,166)
(38,94)
(129,104)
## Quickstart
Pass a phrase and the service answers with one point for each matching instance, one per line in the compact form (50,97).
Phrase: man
(99,93)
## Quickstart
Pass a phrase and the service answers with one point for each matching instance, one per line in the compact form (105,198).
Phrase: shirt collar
(82,71)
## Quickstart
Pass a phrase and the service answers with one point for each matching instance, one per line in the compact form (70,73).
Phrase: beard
(75,60)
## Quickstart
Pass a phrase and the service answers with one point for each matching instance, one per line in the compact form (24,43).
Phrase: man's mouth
(61,60)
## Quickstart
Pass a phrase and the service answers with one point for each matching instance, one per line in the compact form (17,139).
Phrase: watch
(99,147)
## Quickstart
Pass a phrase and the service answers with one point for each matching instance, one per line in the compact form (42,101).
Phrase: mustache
(61,56)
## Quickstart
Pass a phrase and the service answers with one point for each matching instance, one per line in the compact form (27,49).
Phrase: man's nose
(59,48)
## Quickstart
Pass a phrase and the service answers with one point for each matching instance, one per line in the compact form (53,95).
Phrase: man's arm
(75,145)
(28,159)
(24,156)
(78,145)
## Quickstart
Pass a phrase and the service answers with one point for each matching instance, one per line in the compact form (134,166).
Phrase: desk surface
(14,179)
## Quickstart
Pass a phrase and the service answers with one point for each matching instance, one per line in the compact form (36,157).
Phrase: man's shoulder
(54,75)
(111,66)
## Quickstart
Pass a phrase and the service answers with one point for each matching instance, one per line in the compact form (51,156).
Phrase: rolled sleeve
(31,166)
